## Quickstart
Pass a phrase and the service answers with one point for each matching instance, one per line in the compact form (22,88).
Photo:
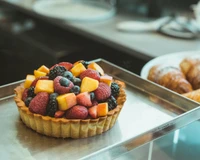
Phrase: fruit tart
(70,100)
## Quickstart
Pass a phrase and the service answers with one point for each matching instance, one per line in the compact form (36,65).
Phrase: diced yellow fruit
(44,86)
(96,67)
(78,69)
(44,69)
(89,84)
(66,101)
(106,79)
(29,79)
(39,73)
(102,109)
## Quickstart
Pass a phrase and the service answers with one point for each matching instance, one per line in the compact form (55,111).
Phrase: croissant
(191,68)
(194,95)
(170,77)
(187,63)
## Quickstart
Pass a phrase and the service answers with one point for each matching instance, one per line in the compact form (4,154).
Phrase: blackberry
(27,101)
(114,89)
(112,103)
(31,91)
(75,89)
(56,71)
(52,106)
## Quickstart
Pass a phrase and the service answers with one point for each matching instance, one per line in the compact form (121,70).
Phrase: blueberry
(92,95)
(27,101)
(68,75)
(75,89)
(77,81)
(64,82)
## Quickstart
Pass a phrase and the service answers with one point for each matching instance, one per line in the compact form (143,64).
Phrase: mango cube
(44,86)
(39,73)
(96,67)
(102,109)
(106,79)
(89,84)
(44,69)
(28,81)
(66,101)
(78,69)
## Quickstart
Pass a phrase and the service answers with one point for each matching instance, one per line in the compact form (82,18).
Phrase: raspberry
(56,71)
(25,94)
(77,112)
(39,103)
(90,73)
(58,88)
(102,92)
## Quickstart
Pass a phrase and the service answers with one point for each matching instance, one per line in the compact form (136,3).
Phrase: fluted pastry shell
(68,128)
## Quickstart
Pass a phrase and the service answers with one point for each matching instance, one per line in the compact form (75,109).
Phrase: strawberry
(102,92)
(84,99)
(93,111)
(39,78)
(39,103)
(25,94)
(90,73)
(77,112)
(67,65)
(59,114)
(62,85)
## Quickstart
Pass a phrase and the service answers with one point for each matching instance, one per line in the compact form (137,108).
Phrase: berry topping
(90,73)
(112,103)
(75,89)
(84,99)
(67,65)
(77,112)
(27,101)
(39,103)
(59,114)
(76,81)
(102,92)
(64,82)
(85,63)
(114,89)
(68,75)
(58,88)
(56,71)
(31,92)
(25,94)
(92,95)
(52,106)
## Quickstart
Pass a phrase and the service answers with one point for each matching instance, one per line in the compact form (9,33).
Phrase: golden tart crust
(68,128)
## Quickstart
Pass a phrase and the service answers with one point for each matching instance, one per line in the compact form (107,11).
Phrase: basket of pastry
(183,78)
(74,100)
